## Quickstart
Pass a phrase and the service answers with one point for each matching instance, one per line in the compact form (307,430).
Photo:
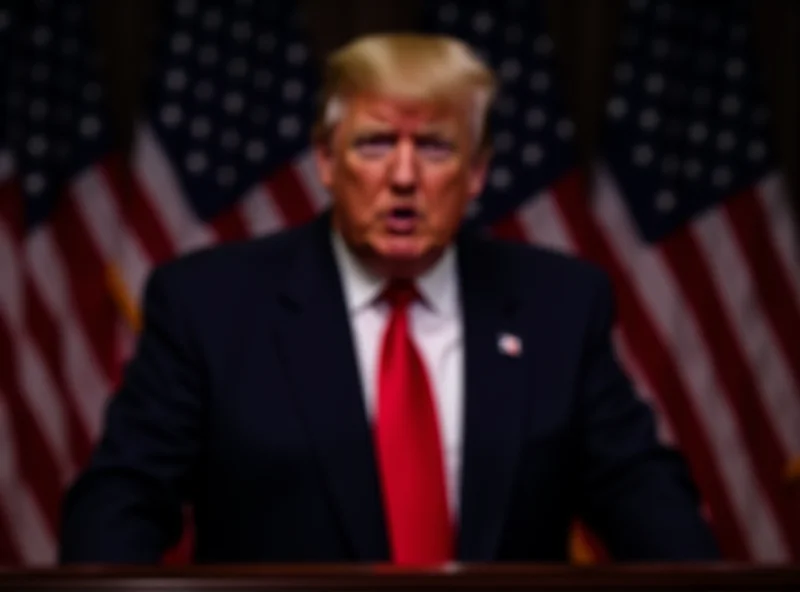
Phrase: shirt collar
(438,286)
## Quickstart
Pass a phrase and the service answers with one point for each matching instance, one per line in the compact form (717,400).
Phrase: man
(378,385)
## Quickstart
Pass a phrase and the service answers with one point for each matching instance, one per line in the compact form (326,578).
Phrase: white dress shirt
(436,328)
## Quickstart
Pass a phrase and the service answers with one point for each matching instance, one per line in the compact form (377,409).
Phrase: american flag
(223,151)
(690,217)
(58,324)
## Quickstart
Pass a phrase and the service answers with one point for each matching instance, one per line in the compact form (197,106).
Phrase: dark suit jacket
(244,399)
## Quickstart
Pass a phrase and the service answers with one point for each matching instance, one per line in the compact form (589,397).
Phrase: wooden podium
(474,578)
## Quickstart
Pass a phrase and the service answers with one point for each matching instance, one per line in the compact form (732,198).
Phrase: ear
(323,159)
(479,169)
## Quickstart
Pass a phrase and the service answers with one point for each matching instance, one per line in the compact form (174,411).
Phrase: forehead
(387,113)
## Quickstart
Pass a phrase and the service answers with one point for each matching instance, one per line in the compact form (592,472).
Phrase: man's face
(401,176)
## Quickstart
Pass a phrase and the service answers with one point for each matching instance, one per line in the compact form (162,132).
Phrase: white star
(6,164)
(660,48)
(698,132)
(532,154)
(654,84)
(739,33)
(623,72)
(208,55)
(507,106)
(231,139)
(726,141)
(649,119)
(712,24)
(196,162)
(293,90)
(171,115)
(643,155)
(731,105)
(69,47)
(204,90)
(504,141)
(233,103)
(38,109)
(721,176)
(90,126)
(266,42)
(664,12)
(565,129)
(665,202)
(448,13)
(42,36)
(760,115)
(670,165)
(617,107)
(226,176)
(255,150)
(92,92)
(735,68)
(510,69)
(501,178)
(35,183)
(535,118)
(242,31)
(482,23)
(200,127)
(262,79)
(259,115)
(237,67)
(181,43)
(40,72)
(176,79)
(543,45)
(540,81)
(289,127)
(186,8)
(37,145)
(630,37)
(702,96)
(706,61)
(212,19)
(692,168)
(296,54)
(513,34)
(756,151)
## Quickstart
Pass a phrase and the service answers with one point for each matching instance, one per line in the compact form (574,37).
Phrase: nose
(403,173)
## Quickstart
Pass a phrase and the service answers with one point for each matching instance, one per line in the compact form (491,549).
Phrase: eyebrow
(436,134)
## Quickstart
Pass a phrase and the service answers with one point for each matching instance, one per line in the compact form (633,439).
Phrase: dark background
(584,32)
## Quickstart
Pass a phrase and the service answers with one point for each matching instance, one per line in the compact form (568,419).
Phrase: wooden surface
(360,578)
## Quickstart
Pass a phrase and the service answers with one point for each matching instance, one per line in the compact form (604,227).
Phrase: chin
(405,256)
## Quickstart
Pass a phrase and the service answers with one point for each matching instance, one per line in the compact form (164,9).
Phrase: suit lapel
(495,394)
(317,348)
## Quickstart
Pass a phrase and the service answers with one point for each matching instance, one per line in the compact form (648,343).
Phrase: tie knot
(400,293)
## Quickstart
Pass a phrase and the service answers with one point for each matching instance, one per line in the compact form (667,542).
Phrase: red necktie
(408,444)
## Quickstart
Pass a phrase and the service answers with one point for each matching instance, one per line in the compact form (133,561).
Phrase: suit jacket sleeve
(637,495)
(126,507)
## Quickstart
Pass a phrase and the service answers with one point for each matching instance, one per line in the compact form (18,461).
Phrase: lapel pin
(510,345)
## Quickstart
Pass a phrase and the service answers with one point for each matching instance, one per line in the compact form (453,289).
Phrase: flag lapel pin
(509,345)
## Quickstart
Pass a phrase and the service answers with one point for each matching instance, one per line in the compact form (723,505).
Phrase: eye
(433,148)
(375,145)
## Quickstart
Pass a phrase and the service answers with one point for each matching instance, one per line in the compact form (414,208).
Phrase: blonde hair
(408,67)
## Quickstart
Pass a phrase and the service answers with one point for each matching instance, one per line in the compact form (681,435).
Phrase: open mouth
(402,220)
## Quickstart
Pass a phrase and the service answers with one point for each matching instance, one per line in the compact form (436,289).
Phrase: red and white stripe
(733,407)
(57,326)
(159,224)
